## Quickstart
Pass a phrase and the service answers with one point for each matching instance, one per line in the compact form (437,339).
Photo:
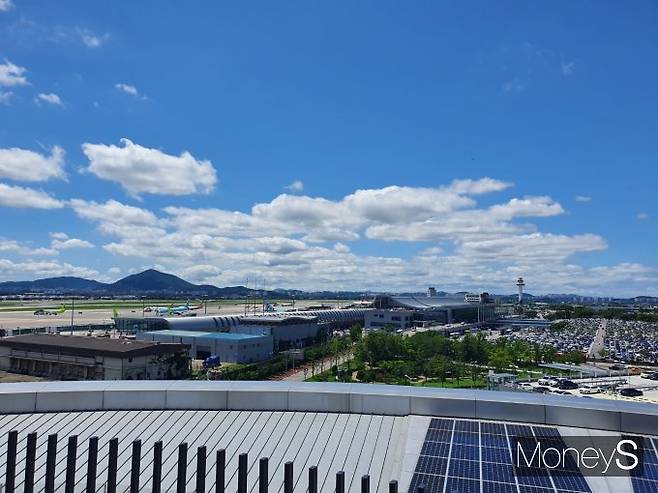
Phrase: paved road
(599,341)
(299,376)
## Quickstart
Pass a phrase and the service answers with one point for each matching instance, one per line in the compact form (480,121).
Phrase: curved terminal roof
(225,322)
(446,439)
(419,302)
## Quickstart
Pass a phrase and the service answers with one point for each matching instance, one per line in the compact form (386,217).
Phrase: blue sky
(376,145)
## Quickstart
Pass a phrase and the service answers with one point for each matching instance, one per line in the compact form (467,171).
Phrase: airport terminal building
(404,312)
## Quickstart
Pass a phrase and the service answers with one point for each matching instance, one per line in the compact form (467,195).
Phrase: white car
(589,390)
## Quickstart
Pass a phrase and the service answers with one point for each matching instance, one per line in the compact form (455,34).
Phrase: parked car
(590,390)
(630,392)
(567,385)
(541,389)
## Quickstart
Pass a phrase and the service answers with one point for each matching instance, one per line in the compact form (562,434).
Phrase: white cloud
(19,197)
(583,198)
(61,241)
(5,97)
(303,242)
(296,186)
(90,39)
(127,88)
(12,75)
(642,216)
(50,98)
(567,68)
(13,246)
(142,170)
(527,207)
(6,5)
(24,165)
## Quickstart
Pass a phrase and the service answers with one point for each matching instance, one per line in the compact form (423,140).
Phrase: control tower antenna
(520,284)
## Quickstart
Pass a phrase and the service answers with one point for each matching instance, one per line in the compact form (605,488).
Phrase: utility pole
(72,312)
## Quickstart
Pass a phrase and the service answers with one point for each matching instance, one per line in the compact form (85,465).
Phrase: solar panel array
(645,479)
(467,456)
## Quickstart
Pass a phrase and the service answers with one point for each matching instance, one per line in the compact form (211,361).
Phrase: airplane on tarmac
(172,310)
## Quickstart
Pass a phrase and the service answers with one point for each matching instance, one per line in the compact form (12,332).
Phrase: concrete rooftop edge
(599,414)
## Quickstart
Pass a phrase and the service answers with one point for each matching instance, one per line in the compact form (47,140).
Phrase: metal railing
(93,481)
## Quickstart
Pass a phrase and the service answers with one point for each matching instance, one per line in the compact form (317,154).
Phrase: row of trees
(390,358)
(569,311)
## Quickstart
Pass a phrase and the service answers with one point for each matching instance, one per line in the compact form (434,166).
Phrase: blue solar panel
(534,489)
(432,465)
(441,424)
(492,487)
(472,439)
(567,480)
(459,485)
(498,441)
(497,472)
(499,455)
(492,428)
(435,449)
(432,484)
(438,435)
(519,430)
(470,426)
(533,476)
(465,452)
(461,456)
(464,469)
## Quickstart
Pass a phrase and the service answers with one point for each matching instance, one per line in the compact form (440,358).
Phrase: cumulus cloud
(24,165)
(50,98)
(642,216)
(304,242)
(90,39)
(27,198)
(61,241)
(13,246)
(143,170)
(12,75)
(5,97)
(6,5)
(127,88)
(296,186)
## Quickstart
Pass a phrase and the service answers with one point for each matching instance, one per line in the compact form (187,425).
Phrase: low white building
(230,347)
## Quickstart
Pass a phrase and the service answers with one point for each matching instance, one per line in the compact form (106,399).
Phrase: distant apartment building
(62,357)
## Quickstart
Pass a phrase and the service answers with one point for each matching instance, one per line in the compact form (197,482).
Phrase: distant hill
(148,282)
(152,280)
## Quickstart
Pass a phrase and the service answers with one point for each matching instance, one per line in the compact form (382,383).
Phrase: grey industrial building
(230,347)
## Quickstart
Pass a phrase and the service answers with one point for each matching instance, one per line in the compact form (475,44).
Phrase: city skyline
(333,148)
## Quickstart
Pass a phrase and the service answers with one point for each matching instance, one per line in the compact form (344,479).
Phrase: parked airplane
(42,311)
(172,310)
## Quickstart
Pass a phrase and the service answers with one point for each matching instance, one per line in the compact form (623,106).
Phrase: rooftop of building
(88,346)
(226,336)
(387,432)
(419,302)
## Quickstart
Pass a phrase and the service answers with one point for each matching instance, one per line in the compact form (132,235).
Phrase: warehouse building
(230,347)
(92,358)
